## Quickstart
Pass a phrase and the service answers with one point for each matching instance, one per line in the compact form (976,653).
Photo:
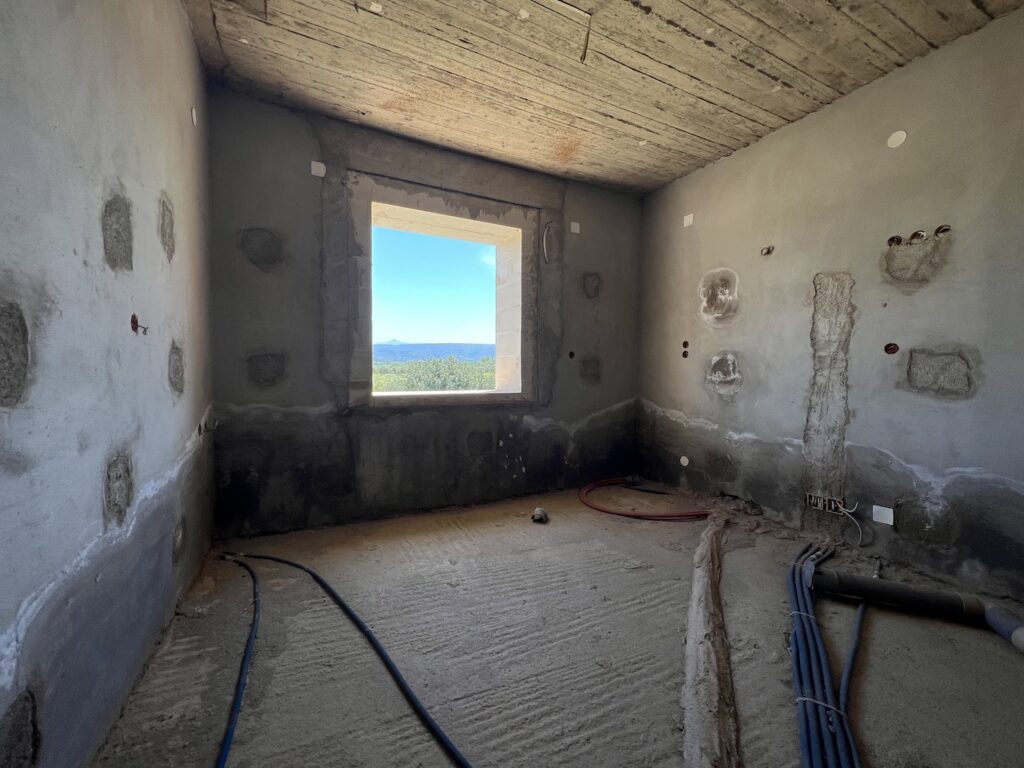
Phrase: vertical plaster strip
(828,412)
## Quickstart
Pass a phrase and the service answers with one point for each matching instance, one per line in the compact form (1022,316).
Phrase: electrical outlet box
(574,227)
(823,503)
(688,220)
(883,515)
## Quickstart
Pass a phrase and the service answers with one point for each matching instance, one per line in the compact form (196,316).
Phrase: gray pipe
(952,606)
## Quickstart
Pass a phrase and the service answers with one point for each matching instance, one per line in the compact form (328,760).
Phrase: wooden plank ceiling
(626,93)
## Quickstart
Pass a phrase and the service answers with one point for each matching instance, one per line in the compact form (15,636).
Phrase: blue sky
(429,289)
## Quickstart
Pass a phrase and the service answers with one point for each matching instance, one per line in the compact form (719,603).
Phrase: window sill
(463,398)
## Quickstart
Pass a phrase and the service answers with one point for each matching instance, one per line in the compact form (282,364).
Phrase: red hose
(677,516)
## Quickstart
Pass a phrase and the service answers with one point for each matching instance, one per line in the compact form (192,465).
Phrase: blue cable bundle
(826,739)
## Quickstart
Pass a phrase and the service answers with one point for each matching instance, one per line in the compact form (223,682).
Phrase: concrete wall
(810,400)
(105,486)
(292,452)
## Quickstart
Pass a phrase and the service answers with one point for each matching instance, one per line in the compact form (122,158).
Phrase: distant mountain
(397,352)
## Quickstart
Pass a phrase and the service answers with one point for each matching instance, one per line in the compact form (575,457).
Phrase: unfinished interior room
(512,383)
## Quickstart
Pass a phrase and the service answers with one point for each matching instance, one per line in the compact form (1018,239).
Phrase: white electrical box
(882,515)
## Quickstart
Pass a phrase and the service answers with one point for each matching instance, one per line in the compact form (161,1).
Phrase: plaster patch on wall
(14,462)
(591,284)
(719,297)
(828,412)
(723,376)
(912,265)
(590,369)
(165,225)
(266,369)
(944,374)
(14,354)
(176,368)
(116,222)
(262,247)
(19,733)
(480,442)
(118,489)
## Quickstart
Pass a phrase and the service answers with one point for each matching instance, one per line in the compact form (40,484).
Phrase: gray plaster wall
(291,448)
(933,430)
(105,485)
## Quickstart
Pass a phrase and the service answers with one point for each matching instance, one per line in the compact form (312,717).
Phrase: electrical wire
(428,721)
(849,513)
(243,669)
(584,496)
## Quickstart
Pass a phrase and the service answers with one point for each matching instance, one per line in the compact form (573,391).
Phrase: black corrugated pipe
(952,606)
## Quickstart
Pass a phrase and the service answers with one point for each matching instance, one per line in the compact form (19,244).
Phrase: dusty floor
(538,646)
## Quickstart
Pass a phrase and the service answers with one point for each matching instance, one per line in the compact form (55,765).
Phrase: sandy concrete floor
(532,645)
(539,646)
(925,694)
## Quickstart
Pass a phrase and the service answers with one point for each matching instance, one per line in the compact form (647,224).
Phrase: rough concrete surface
(828,411)
(828,192)
(262,248)
(116,222)
(591,284)
(97,122)
(307,447)
(279,470)
(176,368)
(913,265)
(531,645)
(19,738)
(723,375)
(946,374)
(925,693)
(165,225)
(266,369)
(118,488)
(14,354)
(560,644)
(719,297)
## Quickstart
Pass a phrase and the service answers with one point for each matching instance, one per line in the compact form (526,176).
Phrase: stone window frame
(478,213)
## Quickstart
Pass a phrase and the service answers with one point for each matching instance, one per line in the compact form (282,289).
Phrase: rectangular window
(447,304)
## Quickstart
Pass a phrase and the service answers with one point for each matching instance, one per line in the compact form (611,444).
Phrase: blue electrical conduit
(826,740)
(431,725)
(243,669)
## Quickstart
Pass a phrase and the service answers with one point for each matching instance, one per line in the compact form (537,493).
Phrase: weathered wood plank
(726,15)
(705,29)
(996,8)
(826,31)
(315,95)
(666,85)
(882,22)
(430,108)
(654,36)
(464,54)
(539,41)
(204,32)
(621,58)
(470,93)
(963,15)
(923,19)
